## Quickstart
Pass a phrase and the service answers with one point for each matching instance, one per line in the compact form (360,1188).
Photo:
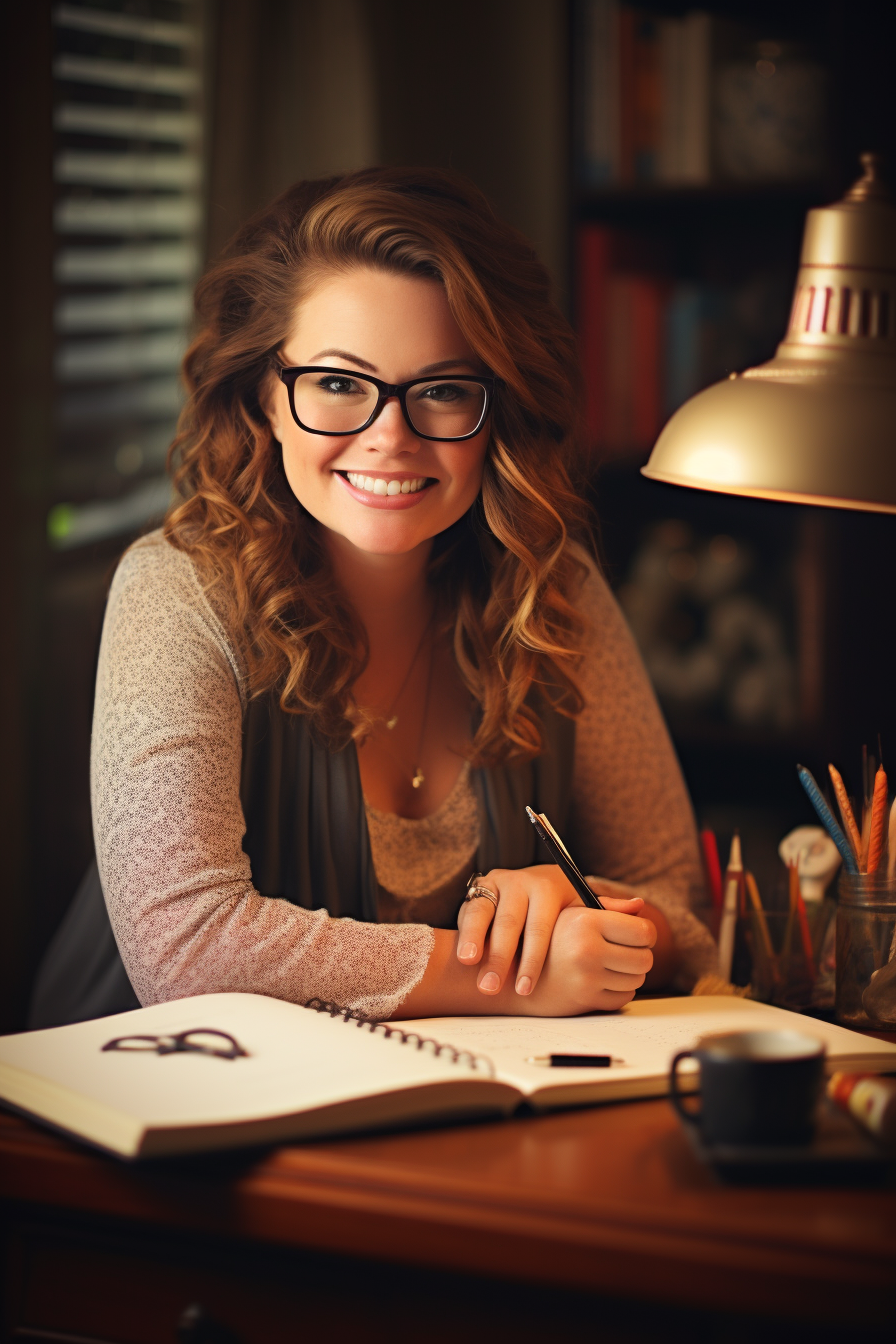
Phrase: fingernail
(524,985)
(467,951)
(489,983)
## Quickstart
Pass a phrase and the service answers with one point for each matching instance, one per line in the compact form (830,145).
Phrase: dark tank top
(307,842)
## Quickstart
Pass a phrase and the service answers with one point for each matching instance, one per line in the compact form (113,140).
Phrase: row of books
(649,342)
(645,95)
(683,101)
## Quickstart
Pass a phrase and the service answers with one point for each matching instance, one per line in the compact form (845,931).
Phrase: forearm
(448,988)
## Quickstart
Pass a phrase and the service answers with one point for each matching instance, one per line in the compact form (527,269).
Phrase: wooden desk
(520,1230)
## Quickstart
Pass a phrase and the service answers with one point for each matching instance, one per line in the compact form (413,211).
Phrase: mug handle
(676,1097)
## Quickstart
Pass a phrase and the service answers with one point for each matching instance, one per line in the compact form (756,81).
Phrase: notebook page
(298,1060)
(645,1035)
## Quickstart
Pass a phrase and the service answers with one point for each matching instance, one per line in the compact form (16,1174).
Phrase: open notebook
(308,1073)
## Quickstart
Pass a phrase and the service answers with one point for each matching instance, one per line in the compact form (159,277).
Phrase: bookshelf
(680,277)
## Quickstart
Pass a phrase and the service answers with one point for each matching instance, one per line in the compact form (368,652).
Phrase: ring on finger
(475,888)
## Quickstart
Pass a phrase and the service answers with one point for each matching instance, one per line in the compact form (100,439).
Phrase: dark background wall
(308,87)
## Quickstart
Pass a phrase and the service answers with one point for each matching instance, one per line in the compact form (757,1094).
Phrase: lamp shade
(816,424)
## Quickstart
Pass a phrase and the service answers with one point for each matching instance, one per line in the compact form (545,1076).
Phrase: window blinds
(129,219)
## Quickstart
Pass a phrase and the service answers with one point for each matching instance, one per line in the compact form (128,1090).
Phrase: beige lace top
(421,863)
(168,823)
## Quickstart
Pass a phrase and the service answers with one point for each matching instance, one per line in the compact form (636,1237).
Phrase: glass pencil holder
(866,951)
(783,968)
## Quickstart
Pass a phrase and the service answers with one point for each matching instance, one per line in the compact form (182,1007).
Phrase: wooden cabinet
(539,1228)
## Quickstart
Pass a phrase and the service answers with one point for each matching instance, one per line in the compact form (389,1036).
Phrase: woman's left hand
(529,901)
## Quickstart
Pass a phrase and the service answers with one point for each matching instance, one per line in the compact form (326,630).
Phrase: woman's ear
(272,397)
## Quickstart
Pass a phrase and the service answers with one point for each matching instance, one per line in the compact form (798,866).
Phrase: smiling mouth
(379,485)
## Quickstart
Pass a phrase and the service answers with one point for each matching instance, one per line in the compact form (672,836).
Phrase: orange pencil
(878,817)
(846,812)
(761,921)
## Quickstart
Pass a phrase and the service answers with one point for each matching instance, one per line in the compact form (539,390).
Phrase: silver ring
(475,889)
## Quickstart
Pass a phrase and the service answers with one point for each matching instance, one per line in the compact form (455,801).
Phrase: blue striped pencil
(826,817)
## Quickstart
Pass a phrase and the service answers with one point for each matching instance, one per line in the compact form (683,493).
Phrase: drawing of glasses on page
(198,1041)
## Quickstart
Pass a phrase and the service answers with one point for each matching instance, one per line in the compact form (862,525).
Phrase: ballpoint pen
(561,855)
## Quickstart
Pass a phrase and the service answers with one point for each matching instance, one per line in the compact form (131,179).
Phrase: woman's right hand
(597,959)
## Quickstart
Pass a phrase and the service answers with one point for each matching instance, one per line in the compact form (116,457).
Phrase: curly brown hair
(506,572)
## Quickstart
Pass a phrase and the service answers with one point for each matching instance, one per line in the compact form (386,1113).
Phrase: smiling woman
(369,633)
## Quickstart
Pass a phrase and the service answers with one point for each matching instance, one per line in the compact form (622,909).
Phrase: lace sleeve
(632,817)
(168,822)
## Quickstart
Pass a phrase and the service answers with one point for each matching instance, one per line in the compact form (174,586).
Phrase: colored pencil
(761,921)
(826,817)
(846,812)
(713,866)
(878,813)
(728,925)
(803,920)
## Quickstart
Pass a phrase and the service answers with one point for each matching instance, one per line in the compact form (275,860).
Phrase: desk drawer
(71,1281)
(69,1284)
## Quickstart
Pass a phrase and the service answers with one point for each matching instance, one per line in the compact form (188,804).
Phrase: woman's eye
(445,392)
(339,387)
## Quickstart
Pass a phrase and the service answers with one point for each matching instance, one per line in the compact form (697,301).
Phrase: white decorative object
(816,857)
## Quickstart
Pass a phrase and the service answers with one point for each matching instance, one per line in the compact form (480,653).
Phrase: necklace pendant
(418,778)
(390,723)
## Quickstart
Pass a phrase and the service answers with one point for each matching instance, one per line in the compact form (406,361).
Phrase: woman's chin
(382,541)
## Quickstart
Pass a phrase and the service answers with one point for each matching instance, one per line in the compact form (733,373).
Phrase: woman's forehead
(377,315)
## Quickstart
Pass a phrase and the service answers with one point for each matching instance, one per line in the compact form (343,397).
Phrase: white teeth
(377,485)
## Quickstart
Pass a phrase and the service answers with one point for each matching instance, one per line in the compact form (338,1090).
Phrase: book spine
(696,101)
(600,92)
(594,246)
(646,98)
(627,93)
(682,346)
(671,41)
(620,365)
(647,334)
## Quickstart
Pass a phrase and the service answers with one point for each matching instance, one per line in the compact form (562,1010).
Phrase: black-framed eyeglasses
(341,401)
(198,1041)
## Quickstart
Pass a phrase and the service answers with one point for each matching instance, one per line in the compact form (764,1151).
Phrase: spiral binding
(384,1029)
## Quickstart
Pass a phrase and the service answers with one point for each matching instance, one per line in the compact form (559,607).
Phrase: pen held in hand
(562,857)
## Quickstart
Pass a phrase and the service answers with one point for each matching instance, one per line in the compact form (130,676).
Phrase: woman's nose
(390,432)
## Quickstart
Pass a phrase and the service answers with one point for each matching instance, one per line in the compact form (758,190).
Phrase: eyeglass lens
(442,408)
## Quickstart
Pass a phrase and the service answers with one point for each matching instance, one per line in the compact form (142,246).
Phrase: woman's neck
(389,592)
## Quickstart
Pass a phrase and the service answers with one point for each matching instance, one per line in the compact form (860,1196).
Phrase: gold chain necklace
(418,776)
(390,718)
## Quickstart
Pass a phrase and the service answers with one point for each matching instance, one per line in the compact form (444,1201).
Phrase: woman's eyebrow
(443,365)
(344,354)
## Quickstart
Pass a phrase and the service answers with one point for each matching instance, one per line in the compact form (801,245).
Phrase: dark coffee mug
(756,1087)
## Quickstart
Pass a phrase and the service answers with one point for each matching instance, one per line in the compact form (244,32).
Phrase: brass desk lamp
(816,424)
